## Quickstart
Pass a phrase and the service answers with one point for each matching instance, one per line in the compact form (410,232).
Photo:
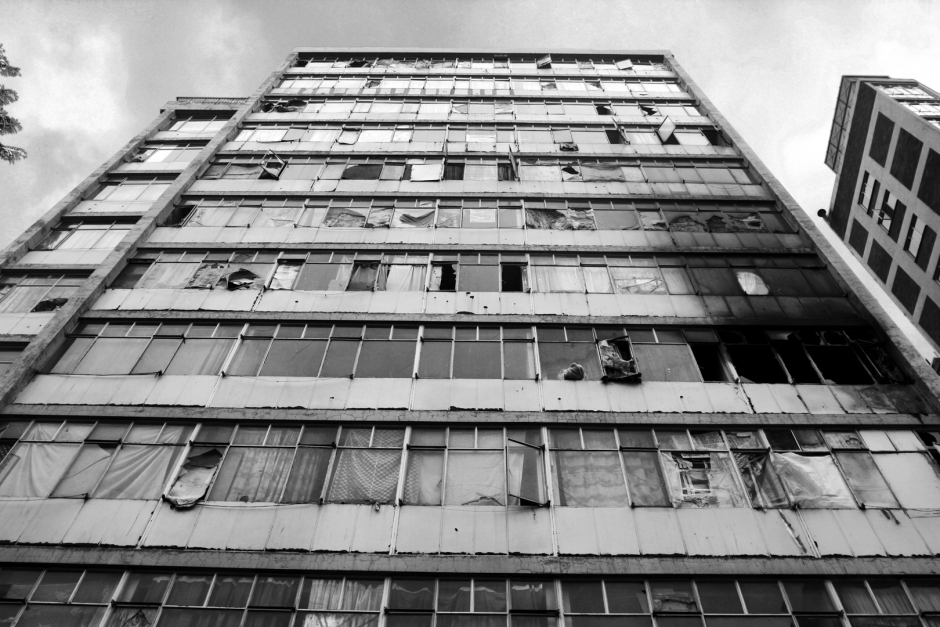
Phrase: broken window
(812,481)
(569,353)
(36,293)
(702,480)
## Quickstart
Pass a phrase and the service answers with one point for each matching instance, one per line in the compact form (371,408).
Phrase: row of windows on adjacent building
(482,137)
(737,275)
(489,213)
(503,109)
(483,63)
(904,164)
(116,598)
(694,179)
(469,466)
(449,84)
(433,351)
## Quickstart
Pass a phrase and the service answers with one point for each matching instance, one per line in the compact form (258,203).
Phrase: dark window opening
(756,364)
(614,137)
(453,171)
(447,281)
(504,172)
(796,361)
(513,278)
(130,275)
(906,156)
(603,109)
(178,216)
(839,365)
(710,363)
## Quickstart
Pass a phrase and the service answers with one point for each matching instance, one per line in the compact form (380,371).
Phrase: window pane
(386,359)
(139,472)
(645,479)
(365,476)
(666,362)
(340,357)
(64,615)
(248,356)
(111,356)
(56,587)
(200,356)
(252,475)
(478,278)
(424,479)
(294,358)
(477,360)
(808,595)
(865,479)
(275,591)
(588,479)
(475,478)
(557,279)
(518,360)
(556,357)
(307,475)
(86,470)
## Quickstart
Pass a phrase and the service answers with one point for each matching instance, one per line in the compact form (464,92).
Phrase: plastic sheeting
(616,368)
(601,172)
(194,477)
(702,480)
(206,276)
(138,472)
(285,275)
(760,480)
(812,481)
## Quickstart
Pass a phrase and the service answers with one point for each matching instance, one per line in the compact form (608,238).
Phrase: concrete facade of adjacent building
(476,337)
(885,150)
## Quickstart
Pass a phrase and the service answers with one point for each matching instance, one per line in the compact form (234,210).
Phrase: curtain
(275,591)
(307,475)
(363,594)
(321,594)
(546,219)
(597,279)
(601,172)
(588,479)
(83,474)
(645,479)
(252,474)
(277,217)
(379,217)
(132,617)
(112,355)
(284,276)
(32,470)
(139,472)
(363,277)
(475,478)
(334,619)
(427,171)
(425,478)
(341,218)
(524,474)
(557,279)
(365,476)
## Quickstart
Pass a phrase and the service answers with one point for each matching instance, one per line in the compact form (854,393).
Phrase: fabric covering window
(702,480)
(365,476)
(812,481)
(588,479)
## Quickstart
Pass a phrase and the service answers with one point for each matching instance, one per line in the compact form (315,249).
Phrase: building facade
(453,338)
(885,150)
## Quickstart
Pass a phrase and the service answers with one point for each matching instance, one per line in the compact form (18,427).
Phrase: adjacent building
(456,338)
(885,150)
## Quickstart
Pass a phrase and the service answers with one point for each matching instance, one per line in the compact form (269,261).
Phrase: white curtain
(402,278)
(557,279)
(597,280)
(475,478)
(85,471)
(32,470)
(321,594)
(139,472)
(425,478)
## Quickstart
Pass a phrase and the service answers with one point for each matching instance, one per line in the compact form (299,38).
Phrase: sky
(96,72)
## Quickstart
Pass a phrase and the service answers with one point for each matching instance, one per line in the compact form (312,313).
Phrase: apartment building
(455,338)
(885,150)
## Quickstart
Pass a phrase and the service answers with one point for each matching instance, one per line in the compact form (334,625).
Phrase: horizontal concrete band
(250,414)
(460,318)
(451,565)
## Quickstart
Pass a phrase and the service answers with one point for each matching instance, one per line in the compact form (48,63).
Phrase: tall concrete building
(885,150)
(453,339)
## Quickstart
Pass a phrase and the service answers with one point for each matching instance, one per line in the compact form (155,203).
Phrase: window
(8,354)
(915,234)
(91,460)
(36,293)
(198,125)
(166,153)
(85,236)
(475,467)
(470,352)
(907,151)
(892,210)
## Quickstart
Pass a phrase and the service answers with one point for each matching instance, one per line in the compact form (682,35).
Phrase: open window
(618,361)
(544,62)
(272,166)
(666,131)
